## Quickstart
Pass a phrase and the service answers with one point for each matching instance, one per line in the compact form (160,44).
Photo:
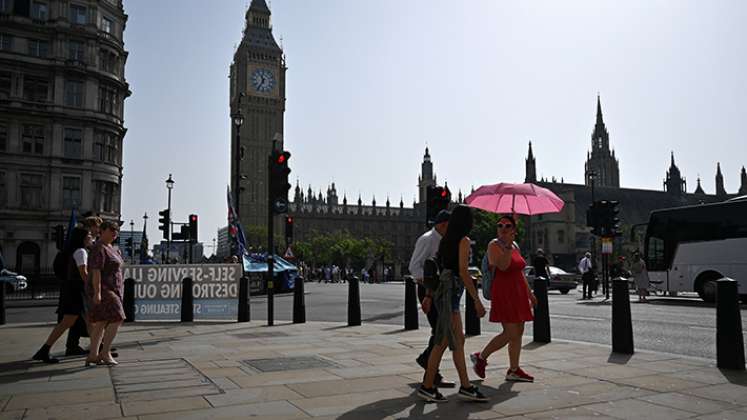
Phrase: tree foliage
(342,249)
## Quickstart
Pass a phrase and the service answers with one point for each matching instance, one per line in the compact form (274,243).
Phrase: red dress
(509,297)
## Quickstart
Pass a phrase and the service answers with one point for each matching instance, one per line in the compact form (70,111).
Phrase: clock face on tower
(262,80)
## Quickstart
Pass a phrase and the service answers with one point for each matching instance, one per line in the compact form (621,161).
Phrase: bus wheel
(705,285)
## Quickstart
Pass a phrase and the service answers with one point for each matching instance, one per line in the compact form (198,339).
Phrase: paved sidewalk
(327,370)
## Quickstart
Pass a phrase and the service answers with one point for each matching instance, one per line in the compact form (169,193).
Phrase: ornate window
(3,136)
(5,84)
(6,42)
(74,93)
(35,88)
(38,48)
(76,50)
(3,190)
(39,11)
(107,25)
(108,61)
(106,147)
(32,139)
(78,14)
(73,141)
(31,191)
(106,196)
(108,100)
(70,192)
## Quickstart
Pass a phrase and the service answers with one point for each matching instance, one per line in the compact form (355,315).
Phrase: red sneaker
(478,364)
(518,375)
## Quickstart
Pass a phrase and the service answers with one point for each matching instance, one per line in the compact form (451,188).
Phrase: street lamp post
(238,119)
(132,241)
(169,186)
(145,228)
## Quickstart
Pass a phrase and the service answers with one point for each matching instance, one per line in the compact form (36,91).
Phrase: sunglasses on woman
(504,225)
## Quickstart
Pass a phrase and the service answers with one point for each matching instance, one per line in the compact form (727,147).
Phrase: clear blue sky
(370,83)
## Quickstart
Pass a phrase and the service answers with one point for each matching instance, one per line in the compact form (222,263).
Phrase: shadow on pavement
(533,345)
(736,377)
(618,358)
(454,409)
(21,367)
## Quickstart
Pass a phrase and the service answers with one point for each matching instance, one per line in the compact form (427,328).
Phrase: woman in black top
(72,291)
(453,255)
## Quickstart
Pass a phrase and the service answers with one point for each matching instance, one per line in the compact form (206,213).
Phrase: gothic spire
(743,182)
(599,110)
(260,6)
(720,190)
(699,189)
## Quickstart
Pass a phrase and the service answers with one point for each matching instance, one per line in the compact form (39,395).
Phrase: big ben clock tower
(258,95)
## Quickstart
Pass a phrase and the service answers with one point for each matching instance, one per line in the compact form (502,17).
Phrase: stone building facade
(62,92)
(257,92)
(565,235)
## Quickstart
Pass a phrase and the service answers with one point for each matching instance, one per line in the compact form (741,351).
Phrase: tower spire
(599,110)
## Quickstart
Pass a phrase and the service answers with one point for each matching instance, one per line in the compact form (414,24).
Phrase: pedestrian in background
(107,288)
(427,247)
(541,265)
(511,301)
(453,257)
(641,276)
(587,275)
(71,270)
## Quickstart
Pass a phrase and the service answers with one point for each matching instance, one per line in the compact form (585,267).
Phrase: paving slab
(274,410)
(136,408)
(689,403)
(96,410)
(12,415)
(53,399)
(660,383)
(253,395)
(729,392)
(346,386)
(635,409)
(374,400)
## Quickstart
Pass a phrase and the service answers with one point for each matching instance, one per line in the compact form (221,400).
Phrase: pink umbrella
(515,198)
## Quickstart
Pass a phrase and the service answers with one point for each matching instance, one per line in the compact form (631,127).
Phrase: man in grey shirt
(426,247)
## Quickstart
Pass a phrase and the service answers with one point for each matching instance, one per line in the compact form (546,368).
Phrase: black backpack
(431,273)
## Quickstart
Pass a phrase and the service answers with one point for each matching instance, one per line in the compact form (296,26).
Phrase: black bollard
(541,312)
(128,300)
(471,320)
(187,301)
(244,310)
(299,302)
(622,326)
(411,305)
(354,303)
(729,339)
(2,304)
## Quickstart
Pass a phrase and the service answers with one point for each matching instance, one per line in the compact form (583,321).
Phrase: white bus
(687,248)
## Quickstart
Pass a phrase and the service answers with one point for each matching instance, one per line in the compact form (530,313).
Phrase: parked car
(559,279)
(12,282)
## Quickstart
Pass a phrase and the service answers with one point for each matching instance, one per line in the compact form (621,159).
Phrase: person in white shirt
(587,275)
(426,247)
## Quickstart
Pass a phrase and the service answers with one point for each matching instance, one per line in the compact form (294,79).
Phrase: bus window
(655,255)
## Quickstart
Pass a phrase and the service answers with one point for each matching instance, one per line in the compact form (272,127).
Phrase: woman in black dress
(72,270)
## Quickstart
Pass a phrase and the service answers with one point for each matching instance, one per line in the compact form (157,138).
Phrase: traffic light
(164,222)
(58,236)
(612,222)
(279,185)
(593,218)
(437,199)
(288,229)
(193,227)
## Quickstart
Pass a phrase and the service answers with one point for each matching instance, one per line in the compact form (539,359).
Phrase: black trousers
(588,284)
(432,320)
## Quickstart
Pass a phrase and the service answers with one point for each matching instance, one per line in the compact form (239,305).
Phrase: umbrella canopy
(527,199)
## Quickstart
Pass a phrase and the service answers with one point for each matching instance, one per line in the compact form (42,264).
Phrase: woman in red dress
(511,301)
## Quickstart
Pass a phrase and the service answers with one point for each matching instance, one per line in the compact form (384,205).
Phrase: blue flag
(70,226)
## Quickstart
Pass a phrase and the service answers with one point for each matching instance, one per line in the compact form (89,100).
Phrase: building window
(73,143)
(35,88)
(32,139)
(76,51)
(4,6)
(39,11)
(108,61)
(107,25)
(3,136)
(78,14)
(3,190)
(74,93)
(38,48)
(6,42)
(108,100)
(4,84)
(106,148)
(70,192)
(31,191)
(105,196)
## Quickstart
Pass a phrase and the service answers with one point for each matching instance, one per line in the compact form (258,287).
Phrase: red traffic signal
(193,227)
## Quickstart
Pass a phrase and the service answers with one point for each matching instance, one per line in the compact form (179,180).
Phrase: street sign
(607,246)
(280,205)
(288,254)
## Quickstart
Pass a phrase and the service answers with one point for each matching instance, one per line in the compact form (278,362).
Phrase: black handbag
(431,273)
